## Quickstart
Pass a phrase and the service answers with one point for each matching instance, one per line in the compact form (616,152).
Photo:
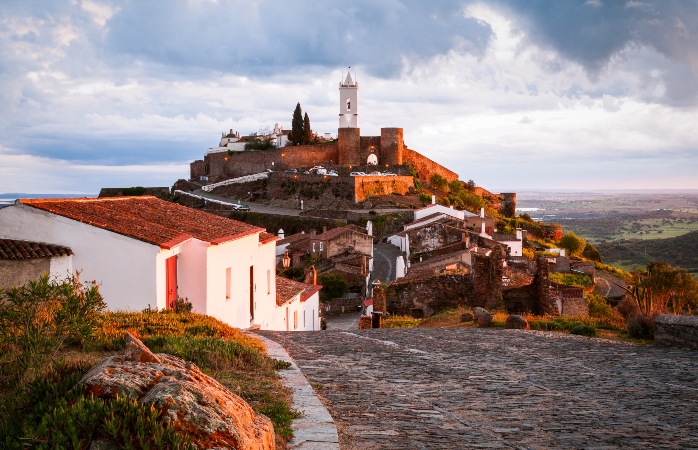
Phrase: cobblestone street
(475,388)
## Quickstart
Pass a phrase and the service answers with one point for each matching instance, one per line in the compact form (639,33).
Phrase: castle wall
(392,146)
(197,169)
(349,145)
(239,164)
(425,167)
(365,187)
(365,149)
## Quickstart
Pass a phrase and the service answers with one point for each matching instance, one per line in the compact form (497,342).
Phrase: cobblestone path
(475,388)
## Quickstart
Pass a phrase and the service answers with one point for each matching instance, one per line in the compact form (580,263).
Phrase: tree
(573,244)
(438,182)
(333,286)
(297,126)
(307,131)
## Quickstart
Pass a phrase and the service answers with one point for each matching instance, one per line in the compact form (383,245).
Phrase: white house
(146,251)
(297,304)
(234,142)
(441,209)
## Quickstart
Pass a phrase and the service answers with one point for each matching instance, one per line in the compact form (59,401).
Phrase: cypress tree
(297,133)
(307,131)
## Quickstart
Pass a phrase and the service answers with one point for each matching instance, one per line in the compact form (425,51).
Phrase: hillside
(679,251)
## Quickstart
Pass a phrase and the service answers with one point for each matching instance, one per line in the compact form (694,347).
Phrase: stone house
(21,261)
(148,252)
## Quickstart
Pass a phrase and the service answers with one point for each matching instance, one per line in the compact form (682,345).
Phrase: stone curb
(316,428)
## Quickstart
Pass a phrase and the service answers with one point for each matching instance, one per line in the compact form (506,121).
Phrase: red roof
(13,249)
(333,233)
(287,290)
(310,291)
(293,238)
(149,219)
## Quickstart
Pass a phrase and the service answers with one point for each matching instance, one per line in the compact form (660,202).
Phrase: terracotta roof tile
(147,219)
(425,219)
(293,238)
(13,249)
(287,290)
(504,237)
(310,291)
(333,233)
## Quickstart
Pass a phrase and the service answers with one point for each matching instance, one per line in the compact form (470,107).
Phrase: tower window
(348,104)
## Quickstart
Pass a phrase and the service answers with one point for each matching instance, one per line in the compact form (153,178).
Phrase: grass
(612,326)
(233,358)
(571,279)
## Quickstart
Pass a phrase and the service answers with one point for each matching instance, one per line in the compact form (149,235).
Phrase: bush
(628,307)
(38,318)
(294,273)
(425,198)
(181,305)
(573,244)
(333,286)
(599,307)
(583,330)
(642,326)
(133,191)
(438,182)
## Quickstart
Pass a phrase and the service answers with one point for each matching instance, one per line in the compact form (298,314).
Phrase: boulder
(467,317)
(485,319)
(477,311)
(194,402)
(516,322)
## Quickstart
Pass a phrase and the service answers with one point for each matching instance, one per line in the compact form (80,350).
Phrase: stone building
(22,261)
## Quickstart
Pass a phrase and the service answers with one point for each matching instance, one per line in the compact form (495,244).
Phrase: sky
(513,94)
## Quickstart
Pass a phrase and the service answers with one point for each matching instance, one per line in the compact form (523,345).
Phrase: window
(228,281)
(303,319)
(295,319)
(348,104)
(320,245)
(313,247)
(268,282)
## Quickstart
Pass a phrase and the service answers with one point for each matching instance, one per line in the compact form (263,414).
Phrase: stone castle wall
(349,143)
(365,187)
(425,167)
(392,146)
(222,165)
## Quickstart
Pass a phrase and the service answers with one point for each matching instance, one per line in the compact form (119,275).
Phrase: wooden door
(171,280)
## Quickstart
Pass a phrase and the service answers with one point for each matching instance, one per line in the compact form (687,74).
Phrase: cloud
(147,87)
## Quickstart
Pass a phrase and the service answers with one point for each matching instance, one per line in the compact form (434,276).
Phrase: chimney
(483,226)
(281,233)
(312,234)
(519,234)
(433,199)
(482,212)
(222,134)
(314,275)
(324,228)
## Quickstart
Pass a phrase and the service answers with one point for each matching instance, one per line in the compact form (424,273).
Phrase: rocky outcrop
(194,402)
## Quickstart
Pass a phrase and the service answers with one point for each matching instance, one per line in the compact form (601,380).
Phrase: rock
(467,317)
(516,322)
(477,311)
(194,402)
(485,319)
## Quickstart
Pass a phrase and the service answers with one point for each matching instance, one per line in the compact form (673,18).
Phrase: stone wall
(366,187)
(197,169)
(505,202)
(349,145)
(423,296)
(344,305)
(221,165)
(118,192)
(425,167)
(392,146)
(676,331)
(433,236)
(18,272)
(368,145)
(578,307)
(533,298)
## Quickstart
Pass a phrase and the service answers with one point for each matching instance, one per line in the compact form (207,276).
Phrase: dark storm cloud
(267,37)
(593,32)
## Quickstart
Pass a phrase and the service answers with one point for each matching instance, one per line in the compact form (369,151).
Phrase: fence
(245,179)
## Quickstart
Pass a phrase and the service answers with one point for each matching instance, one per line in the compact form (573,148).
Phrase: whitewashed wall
(125,267)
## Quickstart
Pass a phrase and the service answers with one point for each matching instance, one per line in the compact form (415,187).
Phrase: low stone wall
(676,331)
(368,186)
(577,307)
(344,305)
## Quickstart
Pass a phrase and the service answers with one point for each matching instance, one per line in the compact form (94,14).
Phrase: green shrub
(333,286)
(584,330)
(599,307)
(642,326)
(209,353)
(294,273)
(181,305)
(37,319)
(425,198)
(133,191)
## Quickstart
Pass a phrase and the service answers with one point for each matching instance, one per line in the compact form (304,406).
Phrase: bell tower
(348,103)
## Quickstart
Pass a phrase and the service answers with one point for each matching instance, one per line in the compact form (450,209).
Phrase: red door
(171,280)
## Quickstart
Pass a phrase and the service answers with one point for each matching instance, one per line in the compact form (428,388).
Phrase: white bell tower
(348,103)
